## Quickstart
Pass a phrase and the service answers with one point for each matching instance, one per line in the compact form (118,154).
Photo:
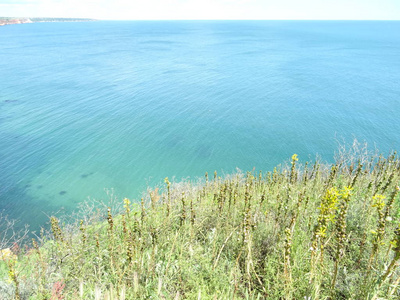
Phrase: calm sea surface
(86,107)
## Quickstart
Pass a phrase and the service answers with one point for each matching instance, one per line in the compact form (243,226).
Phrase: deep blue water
(86,107)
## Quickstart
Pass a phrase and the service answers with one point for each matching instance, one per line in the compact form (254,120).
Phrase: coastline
(10,21)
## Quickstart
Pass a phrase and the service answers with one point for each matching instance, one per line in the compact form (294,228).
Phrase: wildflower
(126,205)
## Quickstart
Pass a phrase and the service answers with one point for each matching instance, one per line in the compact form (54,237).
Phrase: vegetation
(311,231)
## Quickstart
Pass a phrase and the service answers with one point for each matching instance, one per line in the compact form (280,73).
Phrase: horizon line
(97,19)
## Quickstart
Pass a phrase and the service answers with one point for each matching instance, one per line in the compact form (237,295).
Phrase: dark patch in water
(10,101)
(27,186)
(62,193)
(174,141)
(39,187)
(86,175)
(204,152)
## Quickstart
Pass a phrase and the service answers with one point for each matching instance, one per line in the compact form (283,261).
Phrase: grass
(303,231)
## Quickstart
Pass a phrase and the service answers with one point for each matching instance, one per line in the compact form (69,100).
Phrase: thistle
(389,181)
(97,242)
(246,215)
(286,264)
(393,264)
(110,220)
(55,228)
(293,174)
(124,228)
(143,211)
(83,231)
(358,171)
(305,175)
(127,208)
(340,230)
(192,213)
(183,213)
(168,195)
(379,204)
(129,250)
(389,204)
(13,275)
(326,216)
(154,197)
(332,175)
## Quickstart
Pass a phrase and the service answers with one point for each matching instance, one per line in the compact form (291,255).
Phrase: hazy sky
(205,9)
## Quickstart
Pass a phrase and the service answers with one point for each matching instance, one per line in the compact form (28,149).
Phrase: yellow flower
(379,201)
(346,192)
(127,202)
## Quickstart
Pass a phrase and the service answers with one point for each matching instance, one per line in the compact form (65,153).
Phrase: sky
(205,9)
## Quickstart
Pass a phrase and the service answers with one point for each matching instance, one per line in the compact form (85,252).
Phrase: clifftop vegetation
(302,231)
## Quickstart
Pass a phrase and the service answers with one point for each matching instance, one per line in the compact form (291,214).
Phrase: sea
(100,111)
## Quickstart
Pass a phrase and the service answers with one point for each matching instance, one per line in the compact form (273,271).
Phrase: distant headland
(9,20)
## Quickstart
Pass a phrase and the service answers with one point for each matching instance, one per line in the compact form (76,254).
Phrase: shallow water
(86,107)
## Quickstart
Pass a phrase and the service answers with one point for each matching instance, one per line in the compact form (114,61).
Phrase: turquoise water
(86,107)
